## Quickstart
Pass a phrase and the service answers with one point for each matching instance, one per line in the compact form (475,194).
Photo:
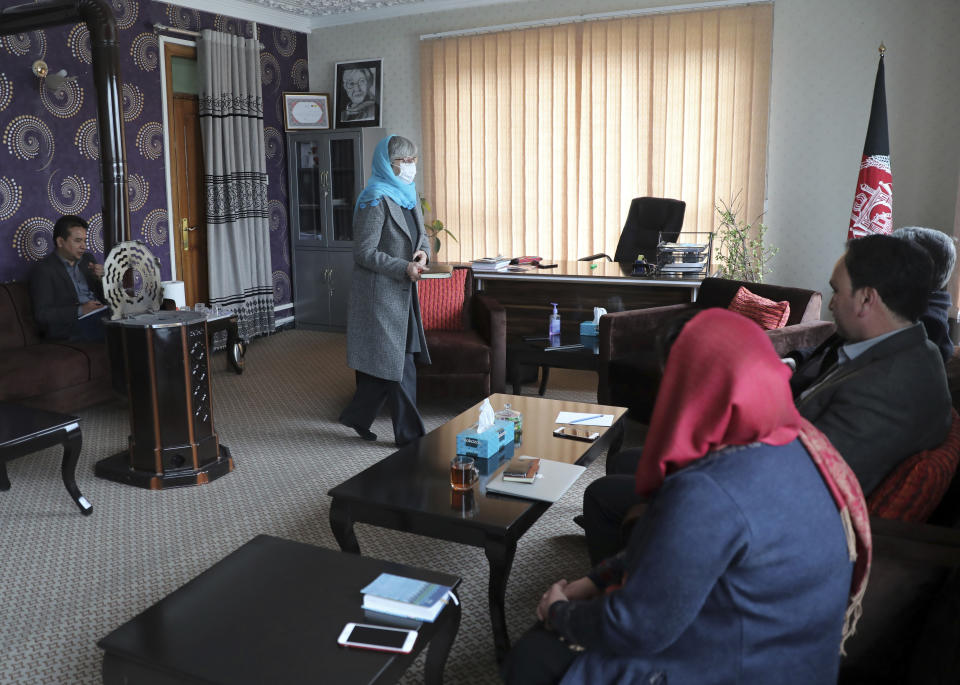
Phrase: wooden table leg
(616,442)
(500,555)
(439,648)
(341,523)
(235,348)
(72,443)
(544,377)
(515,375)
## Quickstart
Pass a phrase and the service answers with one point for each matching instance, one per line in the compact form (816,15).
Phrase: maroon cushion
(441,301)
(40,369)
(767,313)
(454,352)
(914,488)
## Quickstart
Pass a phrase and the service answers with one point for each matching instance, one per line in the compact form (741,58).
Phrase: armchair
(469,354)
(908,632)
(647,218)
(629,373)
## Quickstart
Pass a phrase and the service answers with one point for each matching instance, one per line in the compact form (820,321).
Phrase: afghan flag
(873,201)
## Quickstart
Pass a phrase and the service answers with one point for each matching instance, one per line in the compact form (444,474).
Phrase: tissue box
(496,460)
(484,445)
(589,328)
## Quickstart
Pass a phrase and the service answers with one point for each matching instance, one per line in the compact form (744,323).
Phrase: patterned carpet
(67,580)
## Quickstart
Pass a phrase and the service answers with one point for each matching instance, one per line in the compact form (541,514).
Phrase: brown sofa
(56,375)
(629,367)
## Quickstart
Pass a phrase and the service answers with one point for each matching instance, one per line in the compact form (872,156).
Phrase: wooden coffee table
(271,612)
(410,491)
(24,430)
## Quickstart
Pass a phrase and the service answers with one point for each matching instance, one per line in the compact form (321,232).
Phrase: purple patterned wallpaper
(49,144)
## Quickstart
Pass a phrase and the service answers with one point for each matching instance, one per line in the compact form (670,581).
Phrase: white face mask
(408,171)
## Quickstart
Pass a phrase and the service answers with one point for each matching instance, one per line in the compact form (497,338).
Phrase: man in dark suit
(877,388)
(66,286)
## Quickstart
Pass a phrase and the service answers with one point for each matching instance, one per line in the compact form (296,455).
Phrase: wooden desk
(577,289)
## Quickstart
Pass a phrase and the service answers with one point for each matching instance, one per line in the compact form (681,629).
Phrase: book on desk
(405,597)
(498,263)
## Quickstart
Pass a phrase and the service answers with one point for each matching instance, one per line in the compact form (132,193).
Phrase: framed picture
(306,110)
(359,91)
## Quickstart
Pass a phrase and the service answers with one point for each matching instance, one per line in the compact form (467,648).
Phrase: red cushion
(914,488)
(767,313)
(441,301)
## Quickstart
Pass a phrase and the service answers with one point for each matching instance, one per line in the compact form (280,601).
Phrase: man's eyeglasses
(406,160)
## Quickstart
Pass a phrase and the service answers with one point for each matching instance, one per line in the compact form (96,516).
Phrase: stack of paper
(407,597)
(498,263)
(683,266)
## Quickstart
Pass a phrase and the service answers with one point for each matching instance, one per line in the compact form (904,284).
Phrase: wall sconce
(52,81)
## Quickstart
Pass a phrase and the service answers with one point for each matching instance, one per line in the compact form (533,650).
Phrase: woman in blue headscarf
(384,330)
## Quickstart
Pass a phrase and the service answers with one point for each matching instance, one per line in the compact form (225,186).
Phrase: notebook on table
(553,479)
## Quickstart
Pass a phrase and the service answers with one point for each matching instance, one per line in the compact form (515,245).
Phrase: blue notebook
(407,597)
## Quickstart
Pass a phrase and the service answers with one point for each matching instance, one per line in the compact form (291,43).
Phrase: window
(536,140)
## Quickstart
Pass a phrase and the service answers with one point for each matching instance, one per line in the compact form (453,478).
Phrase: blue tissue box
(589,328)
(488,466)
(484,445)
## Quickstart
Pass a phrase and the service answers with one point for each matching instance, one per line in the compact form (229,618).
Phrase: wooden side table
(24,430)
(270,612)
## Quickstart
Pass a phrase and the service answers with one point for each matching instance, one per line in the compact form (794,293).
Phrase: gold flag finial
(882,48)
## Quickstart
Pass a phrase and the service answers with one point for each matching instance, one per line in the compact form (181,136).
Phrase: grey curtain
(235,180)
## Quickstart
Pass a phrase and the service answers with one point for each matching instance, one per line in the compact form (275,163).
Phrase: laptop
(553,479)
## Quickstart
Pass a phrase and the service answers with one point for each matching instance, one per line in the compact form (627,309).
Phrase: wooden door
(186,178)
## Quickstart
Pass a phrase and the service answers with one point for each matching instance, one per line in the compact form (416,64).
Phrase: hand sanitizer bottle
(554,322)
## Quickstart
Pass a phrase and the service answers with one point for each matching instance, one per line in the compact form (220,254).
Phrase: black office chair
(649,220)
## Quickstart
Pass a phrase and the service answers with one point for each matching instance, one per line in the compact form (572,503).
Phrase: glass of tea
(463,472)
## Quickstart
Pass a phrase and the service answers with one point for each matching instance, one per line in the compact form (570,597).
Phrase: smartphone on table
(576,433)
(377,638)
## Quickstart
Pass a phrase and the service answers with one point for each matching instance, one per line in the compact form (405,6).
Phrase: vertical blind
(536,140)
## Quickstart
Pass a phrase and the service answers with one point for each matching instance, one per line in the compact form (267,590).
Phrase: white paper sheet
(580,419)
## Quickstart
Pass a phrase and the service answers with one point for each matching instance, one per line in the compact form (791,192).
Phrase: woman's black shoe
(362,432)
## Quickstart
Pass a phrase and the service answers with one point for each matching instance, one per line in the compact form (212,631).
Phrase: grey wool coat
(381,291)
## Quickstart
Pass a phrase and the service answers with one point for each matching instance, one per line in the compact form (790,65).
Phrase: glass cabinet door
(344,182)
(312,189)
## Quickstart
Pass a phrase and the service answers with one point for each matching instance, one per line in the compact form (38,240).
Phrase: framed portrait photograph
(359,90)
(306,111)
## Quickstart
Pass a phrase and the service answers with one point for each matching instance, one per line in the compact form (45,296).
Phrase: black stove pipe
(98,16)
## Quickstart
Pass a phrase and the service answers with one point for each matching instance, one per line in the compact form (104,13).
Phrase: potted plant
(742,255)
(434,228)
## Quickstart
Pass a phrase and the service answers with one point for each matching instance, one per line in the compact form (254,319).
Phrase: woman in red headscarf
(751,560)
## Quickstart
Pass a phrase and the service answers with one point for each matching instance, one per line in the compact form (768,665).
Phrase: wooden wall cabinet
(326,172)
